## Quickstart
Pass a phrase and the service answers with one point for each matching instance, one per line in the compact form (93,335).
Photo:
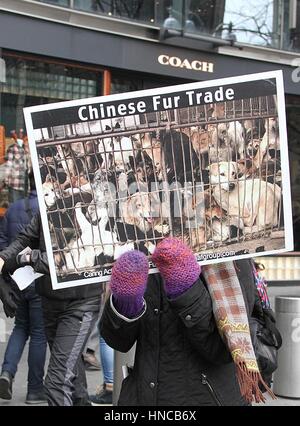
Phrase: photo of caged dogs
(209,174)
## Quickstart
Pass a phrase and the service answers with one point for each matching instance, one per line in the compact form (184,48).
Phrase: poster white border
(288,225)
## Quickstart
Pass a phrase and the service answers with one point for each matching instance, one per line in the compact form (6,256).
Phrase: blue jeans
(28,323)
(107,361)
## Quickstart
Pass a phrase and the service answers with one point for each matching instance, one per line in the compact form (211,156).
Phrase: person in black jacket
(29,318)
(69,316)
(181,359)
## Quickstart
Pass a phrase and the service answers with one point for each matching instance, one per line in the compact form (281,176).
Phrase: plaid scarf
(232,321)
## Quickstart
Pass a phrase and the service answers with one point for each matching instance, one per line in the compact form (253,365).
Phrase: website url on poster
(208,256)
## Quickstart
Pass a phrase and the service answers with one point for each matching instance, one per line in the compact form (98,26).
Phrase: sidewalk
(280,402)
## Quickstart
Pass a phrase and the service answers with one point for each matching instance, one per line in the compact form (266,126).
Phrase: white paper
(25,276)
(26,250)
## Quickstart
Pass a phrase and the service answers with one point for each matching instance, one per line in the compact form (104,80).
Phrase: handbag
(267,341)
(265,335)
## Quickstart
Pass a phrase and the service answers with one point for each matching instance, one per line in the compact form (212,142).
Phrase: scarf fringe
(249,384)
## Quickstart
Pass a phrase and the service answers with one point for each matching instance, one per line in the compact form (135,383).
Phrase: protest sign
(205,162)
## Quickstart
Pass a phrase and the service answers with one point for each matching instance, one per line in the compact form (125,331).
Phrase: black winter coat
(180,358)
(32,236)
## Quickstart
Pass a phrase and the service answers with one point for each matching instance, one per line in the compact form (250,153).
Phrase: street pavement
(94,378)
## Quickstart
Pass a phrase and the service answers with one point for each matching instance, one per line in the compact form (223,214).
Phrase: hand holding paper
(25,276)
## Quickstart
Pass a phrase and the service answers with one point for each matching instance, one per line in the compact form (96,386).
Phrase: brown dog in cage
(205,222)
(269,170)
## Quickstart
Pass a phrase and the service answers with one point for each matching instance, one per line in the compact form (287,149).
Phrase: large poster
(205,162)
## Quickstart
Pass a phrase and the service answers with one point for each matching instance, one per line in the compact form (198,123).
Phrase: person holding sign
(28,311)
(190,325)
(69,317)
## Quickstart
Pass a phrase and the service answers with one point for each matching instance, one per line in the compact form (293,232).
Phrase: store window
(35,82)
(130,9)
(268,23)
(258,22)
(122,82)
(65,3)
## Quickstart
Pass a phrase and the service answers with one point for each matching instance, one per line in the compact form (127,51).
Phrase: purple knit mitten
(128,283)
(177,265)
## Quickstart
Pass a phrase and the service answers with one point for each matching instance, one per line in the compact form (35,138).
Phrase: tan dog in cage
(254,201)
(215,227)
(191,227)
(136,210)
(200,139)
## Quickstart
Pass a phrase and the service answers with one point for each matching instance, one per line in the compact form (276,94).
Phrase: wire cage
(210,175)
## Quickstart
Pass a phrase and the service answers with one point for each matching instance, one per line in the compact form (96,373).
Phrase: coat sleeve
(194,307)
(119,333)
(3,233)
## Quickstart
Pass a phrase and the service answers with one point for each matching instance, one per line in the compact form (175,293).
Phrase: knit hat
(177,265)
(128,282)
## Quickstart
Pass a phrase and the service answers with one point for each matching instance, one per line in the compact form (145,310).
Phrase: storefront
(56,62)
(31,80)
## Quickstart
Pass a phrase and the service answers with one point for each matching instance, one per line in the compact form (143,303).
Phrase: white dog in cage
(269,142)
(94,241)
(102,192)
(254,201)
(51,191)
(218,149)
(233,135)
(116,151)
(123,149)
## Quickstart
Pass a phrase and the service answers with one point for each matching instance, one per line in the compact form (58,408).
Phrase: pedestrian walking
(16,168)
(69,317)
(104,394)
(28,319)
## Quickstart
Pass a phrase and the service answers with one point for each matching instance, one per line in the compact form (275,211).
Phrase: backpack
(266,338)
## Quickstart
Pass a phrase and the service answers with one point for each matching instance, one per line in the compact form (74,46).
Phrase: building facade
(57,50)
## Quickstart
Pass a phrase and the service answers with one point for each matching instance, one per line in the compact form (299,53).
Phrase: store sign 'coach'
(175,61)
